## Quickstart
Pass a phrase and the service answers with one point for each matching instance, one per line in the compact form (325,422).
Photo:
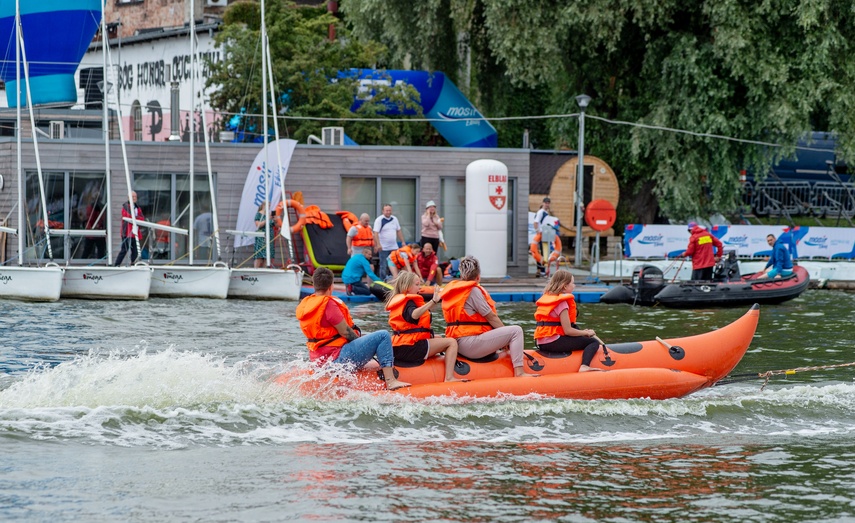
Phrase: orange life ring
(301,215)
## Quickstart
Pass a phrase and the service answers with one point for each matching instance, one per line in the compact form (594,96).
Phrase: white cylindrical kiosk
(487,216)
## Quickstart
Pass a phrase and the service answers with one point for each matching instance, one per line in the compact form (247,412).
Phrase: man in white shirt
(541,214)
(387,234)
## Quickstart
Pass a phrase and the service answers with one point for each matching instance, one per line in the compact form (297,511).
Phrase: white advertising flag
(263,176)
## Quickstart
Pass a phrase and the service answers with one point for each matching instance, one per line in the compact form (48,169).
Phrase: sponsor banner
(668,241)
(263,178)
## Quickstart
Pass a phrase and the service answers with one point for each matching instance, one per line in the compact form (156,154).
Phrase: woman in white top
(431,226)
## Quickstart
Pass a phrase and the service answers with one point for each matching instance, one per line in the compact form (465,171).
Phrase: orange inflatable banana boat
(657,369)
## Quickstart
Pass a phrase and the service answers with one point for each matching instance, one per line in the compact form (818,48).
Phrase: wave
(175,399)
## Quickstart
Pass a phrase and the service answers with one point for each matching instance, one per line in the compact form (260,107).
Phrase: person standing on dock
(333,338)
(387,236)
(359,236)
(701,248)
(537,245)
(131,233)
(431,226)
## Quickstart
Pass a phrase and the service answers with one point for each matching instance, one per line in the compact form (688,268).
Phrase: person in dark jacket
(131,233)
(780,263)
(701,248)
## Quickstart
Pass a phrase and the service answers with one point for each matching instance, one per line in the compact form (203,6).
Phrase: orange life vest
(458,322)
(398,260)
(404,332)
(310,311)
(348,219)
(550,325)
(364,237)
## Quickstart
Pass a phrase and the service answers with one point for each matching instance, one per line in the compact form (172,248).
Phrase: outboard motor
(647,280)
(727,268)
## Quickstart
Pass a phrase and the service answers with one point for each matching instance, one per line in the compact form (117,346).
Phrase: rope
(781,372)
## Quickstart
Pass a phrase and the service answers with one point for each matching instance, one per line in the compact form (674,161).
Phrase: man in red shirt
(427,265)
(332,336)
(701,249)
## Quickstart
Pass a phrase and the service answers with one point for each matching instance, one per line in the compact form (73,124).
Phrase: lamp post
(583,100)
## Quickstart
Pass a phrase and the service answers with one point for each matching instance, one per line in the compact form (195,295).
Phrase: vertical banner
(263,176)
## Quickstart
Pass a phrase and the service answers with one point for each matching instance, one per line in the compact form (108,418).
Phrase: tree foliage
(306,71)
(766,71)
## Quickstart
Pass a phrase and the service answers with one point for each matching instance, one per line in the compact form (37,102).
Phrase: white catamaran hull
(190,282)
(266,284)
(30,283)
(117,283)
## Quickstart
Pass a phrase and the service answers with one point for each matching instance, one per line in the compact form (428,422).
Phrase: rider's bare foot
(454,379)
(396,384)
(585,368)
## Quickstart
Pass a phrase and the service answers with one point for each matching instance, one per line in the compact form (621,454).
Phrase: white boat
(97,282)
(185,281)
(40,283)
(31,283)
(100,281)
(266,284)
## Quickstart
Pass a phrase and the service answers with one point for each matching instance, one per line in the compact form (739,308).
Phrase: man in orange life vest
(332,337)
(360,235)
(701,249)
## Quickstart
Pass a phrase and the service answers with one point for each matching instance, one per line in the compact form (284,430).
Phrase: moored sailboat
(268,282)
(194,281)
(104,281)
(39,283)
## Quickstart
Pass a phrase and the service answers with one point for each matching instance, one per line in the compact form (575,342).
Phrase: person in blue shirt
(356,268)
(780,264)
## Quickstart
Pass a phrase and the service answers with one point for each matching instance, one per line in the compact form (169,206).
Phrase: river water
(160,411)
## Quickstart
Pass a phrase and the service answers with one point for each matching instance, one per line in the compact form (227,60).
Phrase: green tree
(306,70)
(766,71)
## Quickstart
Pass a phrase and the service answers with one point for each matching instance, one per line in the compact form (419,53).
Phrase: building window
(368,195)
(136,119)
(165,198)
(452,207)
(76,202)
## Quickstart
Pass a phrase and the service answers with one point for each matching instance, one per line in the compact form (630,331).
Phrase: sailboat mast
(267,185)
(21,229)
(23,49)
(214,218)
(106,125)
(192,124)
(131,204)
(286,225)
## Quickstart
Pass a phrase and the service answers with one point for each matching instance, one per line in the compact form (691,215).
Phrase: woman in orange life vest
(556,329)
(404,259)
(326,322)
(409,317)
(470,316)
